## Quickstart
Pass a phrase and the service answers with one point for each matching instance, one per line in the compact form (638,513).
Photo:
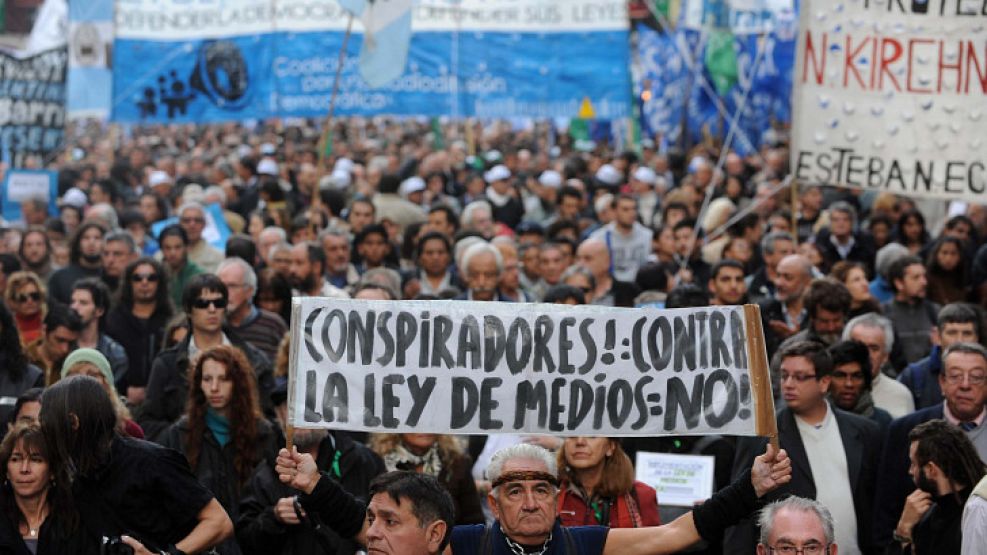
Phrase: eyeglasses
(33,296)
(800,378)
(192,220)
(203,304)
(973,378)
(810,549)
(150,278)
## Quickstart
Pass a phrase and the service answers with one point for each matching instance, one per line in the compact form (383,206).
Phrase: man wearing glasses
(192,218)
(796,526)
(963,380)
(204,300)
(834,453)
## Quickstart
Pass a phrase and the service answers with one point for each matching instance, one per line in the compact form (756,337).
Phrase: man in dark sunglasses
(205,299)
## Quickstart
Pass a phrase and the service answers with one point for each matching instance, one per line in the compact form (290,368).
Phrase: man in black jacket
(269,524)
(204,301)
(834,453)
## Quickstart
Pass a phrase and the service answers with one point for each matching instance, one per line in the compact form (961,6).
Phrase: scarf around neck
(219,425)
(403,459)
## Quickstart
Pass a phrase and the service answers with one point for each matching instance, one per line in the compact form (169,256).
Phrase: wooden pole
(327,136)
(795,213)
(760,374)
(296,323)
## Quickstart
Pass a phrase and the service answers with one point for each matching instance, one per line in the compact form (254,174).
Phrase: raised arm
(725,508)
(322,495)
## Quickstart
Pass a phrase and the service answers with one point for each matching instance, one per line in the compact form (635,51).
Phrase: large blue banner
(485,58)
(681,99)
(90,79)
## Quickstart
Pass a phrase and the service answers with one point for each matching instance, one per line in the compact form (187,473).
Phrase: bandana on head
(523,476)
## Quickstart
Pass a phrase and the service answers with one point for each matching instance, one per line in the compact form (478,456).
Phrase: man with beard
(850,389)
(877,334)
(85,256)
(138,322)
(91,301)
(269,521)
(835,452)
(341,273)
(308,264)
(35,252)
(59,336)
(727,283)
(827,304)
(964,387)
(912,314)
(482,268)
(945,468)
(174,254)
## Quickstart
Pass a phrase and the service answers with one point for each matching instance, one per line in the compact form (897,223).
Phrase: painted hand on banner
(771,470)
(297,470)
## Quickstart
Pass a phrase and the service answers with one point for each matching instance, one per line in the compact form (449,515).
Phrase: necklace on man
(517,549)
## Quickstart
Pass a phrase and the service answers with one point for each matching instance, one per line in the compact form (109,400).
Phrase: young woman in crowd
(598,486)
(439,456)
(911,231)
(854,277)
(26,297)
(223,433)
(92,363)
(947,271)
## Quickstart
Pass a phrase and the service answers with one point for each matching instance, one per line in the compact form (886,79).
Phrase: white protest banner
(892,96)
(679,480)
(24,185)
(478,368)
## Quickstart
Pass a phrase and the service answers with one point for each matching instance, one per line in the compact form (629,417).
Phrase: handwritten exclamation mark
(608,343)
(745,397)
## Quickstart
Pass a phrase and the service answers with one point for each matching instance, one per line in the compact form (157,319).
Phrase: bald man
(594,255)
(784,315)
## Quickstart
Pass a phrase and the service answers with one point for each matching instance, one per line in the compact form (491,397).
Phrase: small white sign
(680,480)
(23,186)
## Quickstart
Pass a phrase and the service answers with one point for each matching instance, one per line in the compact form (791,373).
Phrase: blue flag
(386,38)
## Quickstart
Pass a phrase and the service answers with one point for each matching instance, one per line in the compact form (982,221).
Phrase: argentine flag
(386,37)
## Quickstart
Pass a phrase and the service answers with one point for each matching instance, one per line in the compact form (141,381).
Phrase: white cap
(343,164)
(493,156)
(645,174)
(413,184)
(609,175)
(159,177)
(340,179)
(551,179)
(497,173)
(268,149)
(75,197)
(267,166)
(243,151)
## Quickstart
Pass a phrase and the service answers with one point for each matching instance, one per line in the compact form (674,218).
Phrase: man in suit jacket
(834,453)
(964,406)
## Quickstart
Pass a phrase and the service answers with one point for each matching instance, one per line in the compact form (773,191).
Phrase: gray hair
(384,277)
(122,237)
(466,219)
(846,208)
(217,191)
(888,255)
(334,232)
(105,213)
(279,231)
(525,451)
(766,518)
(190,205)
(872,320)
(478,249)
(768,241)
(278,247)
(462,246)
(964,347)
(577,270)
(249,276)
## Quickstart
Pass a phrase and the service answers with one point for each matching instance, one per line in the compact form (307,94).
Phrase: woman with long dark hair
(35,514)
(598,486)
(948,272)
(911,231)
(17,375)
(223,433)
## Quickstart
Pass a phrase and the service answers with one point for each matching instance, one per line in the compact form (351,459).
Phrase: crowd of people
(144,339)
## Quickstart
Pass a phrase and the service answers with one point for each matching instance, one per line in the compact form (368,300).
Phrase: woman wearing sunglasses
(25,297)
(204,301)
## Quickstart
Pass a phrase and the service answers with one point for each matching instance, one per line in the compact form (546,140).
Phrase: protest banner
(890,96)
(218,60)
(479,368)
(90,80)
(24,185)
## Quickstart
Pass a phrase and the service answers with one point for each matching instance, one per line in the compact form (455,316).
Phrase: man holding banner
(524,498)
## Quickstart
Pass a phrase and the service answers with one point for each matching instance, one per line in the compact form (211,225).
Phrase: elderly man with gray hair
(482,266)
(524,501)
(877,334)
(256,326)
(192,218)
(796,526)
